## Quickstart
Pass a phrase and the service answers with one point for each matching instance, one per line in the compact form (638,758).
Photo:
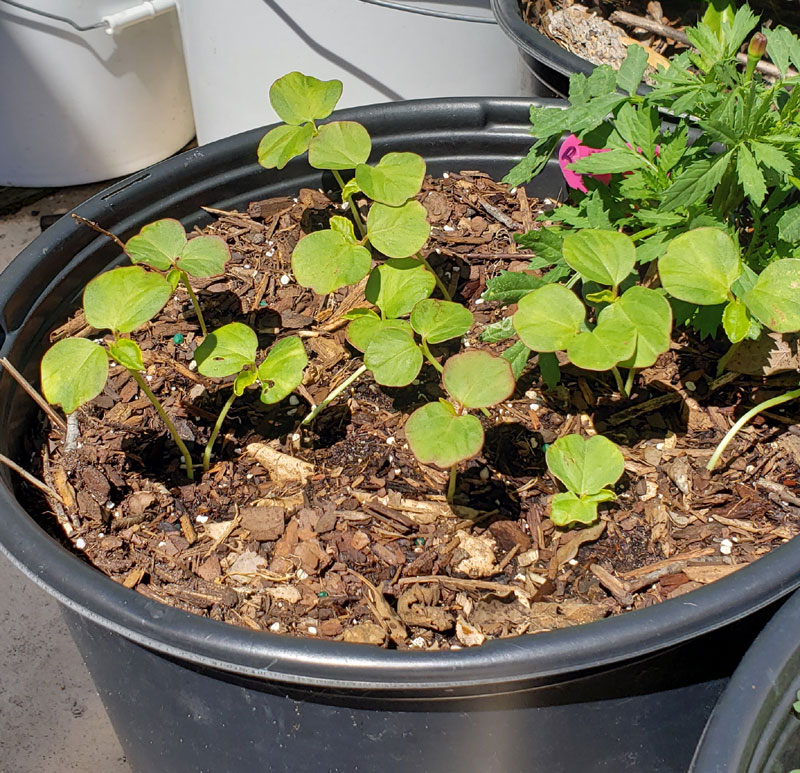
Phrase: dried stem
(100,230)
(51,492)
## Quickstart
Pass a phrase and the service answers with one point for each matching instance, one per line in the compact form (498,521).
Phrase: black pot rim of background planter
(498,666)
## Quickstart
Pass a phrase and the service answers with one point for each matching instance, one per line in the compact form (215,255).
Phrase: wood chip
(280,466)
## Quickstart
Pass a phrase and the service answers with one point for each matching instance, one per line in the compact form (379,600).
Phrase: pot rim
(501,665)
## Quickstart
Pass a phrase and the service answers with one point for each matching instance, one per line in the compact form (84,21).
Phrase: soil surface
(338,532)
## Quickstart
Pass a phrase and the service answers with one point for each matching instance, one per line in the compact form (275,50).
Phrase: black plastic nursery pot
(549,63)
(185,693)
(754,728)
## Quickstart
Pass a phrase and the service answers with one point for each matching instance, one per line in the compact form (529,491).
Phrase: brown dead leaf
(265,524)
(569,549)
(469,635)
(280,466)
(480,555)
(418,606)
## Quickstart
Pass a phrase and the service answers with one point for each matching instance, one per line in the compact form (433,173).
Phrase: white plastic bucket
(78,107)
(236,49)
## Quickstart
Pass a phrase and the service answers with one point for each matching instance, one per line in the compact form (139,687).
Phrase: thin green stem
(734,430)
(644,233)
(629,381)
(195,303)
(618,379)
(332,395)
(429,357)
(572,281)
(187,458)
(451,485)
(214,432)
(442,289)
(726,358)
(362,229)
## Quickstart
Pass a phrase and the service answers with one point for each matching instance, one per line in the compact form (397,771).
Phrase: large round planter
(754,728)
(185,693)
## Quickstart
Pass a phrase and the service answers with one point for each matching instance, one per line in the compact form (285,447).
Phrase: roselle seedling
(232,350)
(163,245)
(75,370)
(587,467)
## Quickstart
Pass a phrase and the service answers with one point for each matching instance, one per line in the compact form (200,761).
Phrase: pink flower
(572,150)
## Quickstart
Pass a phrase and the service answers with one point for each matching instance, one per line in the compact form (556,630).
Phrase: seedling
(232,350)
(163,245)
(75,370)
(587,467)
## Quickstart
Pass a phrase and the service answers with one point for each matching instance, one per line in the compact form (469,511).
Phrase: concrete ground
(51,718)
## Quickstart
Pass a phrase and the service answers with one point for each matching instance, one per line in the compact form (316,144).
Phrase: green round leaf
(736,321)
(281,144)
(157,244)
(650,314)
(700,266)
(173,277)
(226,351)
(549,318)
(585,466)
(398,231)
(362,329)
(393,357)
(566,509)
(282,370)
(73,372)
(326,261)
(243,380)
(394,179)
(397,285)
(204,256)
(775,298)
(339,145)
(124,298)
(127,353)
(299,98)
(438,321)
(437,436)
(605,257)
(478,379)
(602,348)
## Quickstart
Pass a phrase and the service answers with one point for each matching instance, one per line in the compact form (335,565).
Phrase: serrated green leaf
(73,372)
(397,285)
(478,379)
(772,158)
(518,355)
(545,243)
(437,436)
(585,466)
(650,314)
(631,71)
(299,98)
(498,331)
(548,318)
(695,183)
(281,144)
(226,351)
(124,298)
(700,266)
(396,178)
(566,509)
(736,321)
(510,286)
(398,232)
(339,145)
(157,244)
(127,353)
(789,225)
(362,330)
(605,257)
(602,348)
(436,321)
(617,160)
(204,256)
(393,357)
(775,298)
(673,148)
(750,176)
(282,370)
(326,261)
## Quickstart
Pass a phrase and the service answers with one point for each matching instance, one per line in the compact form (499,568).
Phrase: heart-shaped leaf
(397,285)
(437,436)
(282,370)
(605,257)
(339,145)
(124,298)
(73,372)
(549,318)
(393,357)
(299,98)
(650,314)
(227,350)
(585,466)
(127,353)
(775,298)
(204,256)
(158,244)
(281,144)
(478,379)
(566,508)
(438,321)
(394,179)
(362,329)
(736,321)
(398,232)
(700,266)
(602,348)
(326,261)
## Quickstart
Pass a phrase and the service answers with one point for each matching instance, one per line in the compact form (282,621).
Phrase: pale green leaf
(602,348)
(393,357)
(394,179)
(518,355)
(127,353)
(566,509)
(750,176)
(631,71)
(339,145)
(281,144)
(438,321)
(397,285)
(736,321)
(227,350)
(584,465)
(510,286)
(73,371)
(605,257)
(204,256)
(326,261)
(158,244)
(548,318)
(789,225)
(398,232)
(299,98)
(282,370)
(775,298)
(437,436)
(362,329)
(478,379)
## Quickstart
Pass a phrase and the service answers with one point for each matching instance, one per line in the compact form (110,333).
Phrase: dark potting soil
(338,532)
